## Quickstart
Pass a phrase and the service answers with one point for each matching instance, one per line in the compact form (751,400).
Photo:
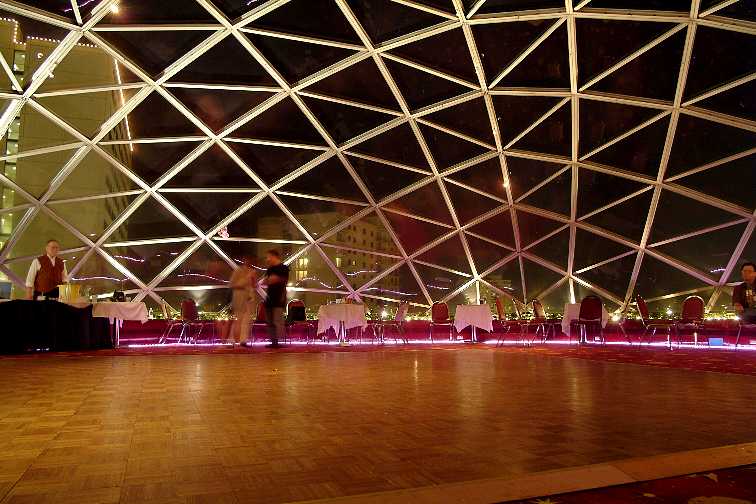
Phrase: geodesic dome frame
(522,149)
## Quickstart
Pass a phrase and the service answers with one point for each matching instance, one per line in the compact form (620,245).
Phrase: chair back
(401,312)
(591,308)
(538,312)
(296,311)
(440,313)
(642,308)
(500,309)
(261,318)
(693,309)
(189,311)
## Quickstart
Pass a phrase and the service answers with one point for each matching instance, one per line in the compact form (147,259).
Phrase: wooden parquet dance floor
(297,426)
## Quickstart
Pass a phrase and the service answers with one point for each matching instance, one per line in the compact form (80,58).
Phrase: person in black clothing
(276,278)
(743,298)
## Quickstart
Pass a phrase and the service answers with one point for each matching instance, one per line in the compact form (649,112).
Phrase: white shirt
(35,267)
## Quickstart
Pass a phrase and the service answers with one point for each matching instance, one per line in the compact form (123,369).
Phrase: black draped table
(50,325)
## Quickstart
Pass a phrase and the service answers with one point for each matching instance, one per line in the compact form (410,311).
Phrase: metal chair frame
(447,321)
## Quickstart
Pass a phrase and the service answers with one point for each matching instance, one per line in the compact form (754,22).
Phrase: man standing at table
(46,273)
(744,295)
(276,278)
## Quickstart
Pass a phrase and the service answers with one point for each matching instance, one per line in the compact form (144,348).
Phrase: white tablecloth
(121,311)
(572,312)
(330,316)
(473,315)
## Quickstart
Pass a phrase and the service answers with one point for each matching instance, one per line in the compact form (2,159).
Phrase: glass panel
(439,283)
(209,301)
(35,131)
(421,89)
(525,174)
(670,308)
(206,209)
(497,228)
(602,121)
(58,7)
(507,278)
(597,189)
(383,180)
(446,52)
(141,123)
(400,285)
(413,233)
(100,277)
(202,267)
(469,205)
(641,152)
(448,150)
(538,278)
(466,297)
(488,296)
(239,251)
(714,181)
(555,300)
(367,233)
(581,292)
(270,162)
(310,271)
(317,216)
(554,196)
(296,60)
(737,101)
(554,249)
(613,276)
(517,5)
(149,160)
(674,212)
(485,176)
(218,107)
(397,144)
(449,254)
(470,117)
(698,142)
(154,51)
(749,254)
(602,43)
(86,65)
(668,5)
(316,18)
(532,227)
(283,121)
(34,173)
(719,56)
(344,122)
(657,279)
(709,252)
(150,220)
(234,8)
(264,220)
(652,74)
(213,168)
(92,217)
(485,254)
(42,228)
(552,136)
(170,11)
(626,219)
(361,82)
(33,41)
(329,179)
(547,66)
(500,43)
(424,202)
(146,261)
(591,249)
(516,113)
(227,62)
(739,10)
(384,20)
(359,267)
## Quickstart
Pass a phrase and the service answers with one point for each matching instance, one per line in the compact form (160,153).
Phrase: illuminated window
(338,262)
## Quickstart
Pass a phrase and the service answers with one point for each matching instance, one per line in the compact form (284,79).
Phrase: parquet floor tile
(268,428)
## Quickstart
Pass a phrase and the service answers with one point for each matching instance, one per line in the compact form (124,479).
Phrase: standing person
(243,281)
(276,278)
(46,273)
(744,294)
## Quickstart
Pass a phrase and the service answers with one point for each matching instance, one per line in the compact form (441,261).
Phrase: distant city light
(114,8)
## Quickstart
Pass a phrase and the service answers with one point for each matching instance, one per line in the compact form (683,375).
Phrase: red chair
(397,324)
(189,318)
(591,311)
(649,325)
(741,326)
(691,318)
(440,316)
(539,321)
(504,324)
(260,320)
(296,316)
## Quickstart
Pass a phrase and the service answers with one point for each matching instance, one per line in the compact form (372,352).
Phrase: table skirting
(473,315)
(332,315)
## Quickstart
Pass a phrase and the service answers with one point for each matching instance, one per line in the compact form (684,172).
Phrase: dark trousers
(274,317)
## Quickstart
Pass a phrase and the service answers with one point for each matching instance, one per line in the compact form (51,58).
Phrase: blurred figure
(242,283)
(46,273)
(743,298)
(276,278)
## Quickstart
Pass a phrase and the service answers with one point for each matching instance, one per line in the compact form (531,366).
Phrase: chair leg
(737,339)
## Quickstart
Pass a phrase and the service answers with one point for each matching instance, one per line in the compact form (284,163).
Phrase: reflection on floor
(287,426)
